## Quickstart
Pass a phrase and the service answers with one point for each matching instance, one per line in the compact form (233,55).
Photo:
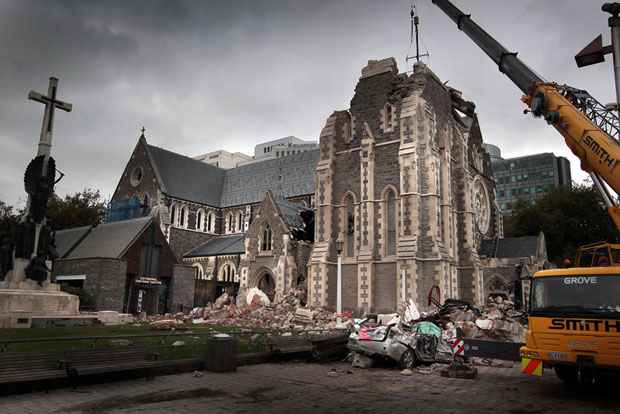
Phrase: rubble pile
(497,321)
(286,313)
(411,337)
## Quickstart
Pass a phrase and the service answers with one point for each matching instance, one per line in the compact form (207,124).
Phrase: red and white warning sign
(458,347)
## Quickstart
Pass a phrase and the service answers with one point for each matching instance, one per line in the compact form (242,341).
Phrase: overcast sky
(208,75)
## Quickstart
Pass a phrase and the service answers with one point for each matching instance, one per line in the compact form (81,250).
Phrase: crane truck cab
(598,254)
(574,323)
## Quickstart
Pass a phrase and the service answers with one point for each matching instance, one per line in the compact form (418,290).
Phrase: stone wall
(105,280)
(182,297)
(385,282)
(401,135)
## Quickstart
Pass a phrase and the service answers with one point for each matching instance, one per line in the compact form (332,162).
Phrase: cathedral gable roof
(288,176)
(185,178)
(192,180)
(219,246)
(511,247)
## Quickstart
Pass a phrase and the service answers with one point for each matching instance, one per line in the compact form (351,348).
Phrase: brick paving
(307,388)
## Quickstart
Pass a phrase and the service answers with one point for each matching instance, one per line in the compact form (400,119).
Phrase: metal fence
(169,345)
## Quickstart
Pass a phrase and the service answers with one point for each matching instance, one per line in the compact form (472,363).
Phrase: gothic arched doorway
(267,284)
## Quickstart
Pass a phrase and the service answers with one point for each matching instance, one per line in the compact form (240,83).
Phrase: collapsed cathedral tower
(400,186)
(404,192)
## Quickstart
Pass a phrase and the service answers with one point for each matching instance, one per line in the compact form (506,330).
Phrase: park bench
(25,367)
(110,360)
(289,345)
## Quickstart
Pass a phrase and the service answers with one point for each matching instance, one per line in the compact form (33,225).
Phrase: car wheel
(566,373)
(408,360)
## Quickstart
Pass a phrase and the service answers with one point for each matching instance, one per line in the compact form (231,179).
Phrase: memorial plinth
(22,299)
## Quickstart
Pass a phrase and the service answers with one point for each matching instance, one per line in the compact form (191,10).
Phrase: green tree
(568,216)
(8,220)
(8,223)
(83,208)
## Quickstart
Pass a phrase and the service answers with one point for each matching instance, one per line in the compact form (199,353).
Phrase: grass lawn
(194,340)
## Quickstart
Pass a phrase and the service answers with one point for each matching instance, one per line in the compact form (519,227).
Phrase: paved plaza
(312,388)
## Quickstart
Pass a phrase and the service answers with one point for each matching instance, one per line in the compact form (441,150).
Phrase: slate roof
(109,240)
(290,212)
(188,179)
(288,176)
(219,246)
(67,239)
(510,247)
(192,180)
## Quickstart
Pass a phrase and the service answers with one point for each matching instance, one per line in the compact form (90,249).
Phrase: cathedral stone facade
(400,187)
(404,191)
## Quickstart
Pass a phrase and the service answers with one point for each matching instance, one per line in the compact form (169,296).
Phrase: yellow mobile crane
(574,314)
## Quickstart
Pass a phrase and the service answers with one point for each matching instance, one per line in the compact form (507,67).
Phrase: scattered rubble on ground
(167,324)
(417,339)
(255,311)
(286,313)
(497,321)
(361,361)
(433,337)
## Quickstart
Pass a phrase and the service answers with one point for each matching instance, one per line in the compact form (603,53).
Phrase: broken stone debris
(257,297)
(361,361)
(434,336)
(286,313)
(498,320)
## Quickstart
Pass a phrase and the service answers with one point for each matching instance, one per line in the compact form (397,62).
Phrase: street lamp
(339,244)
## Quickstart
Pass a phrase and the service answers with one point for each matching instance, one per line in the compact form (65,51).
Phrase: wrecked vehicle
(408,346)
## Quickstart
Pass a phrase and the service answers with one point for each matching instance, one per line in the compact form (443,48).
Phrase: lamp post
(339,244)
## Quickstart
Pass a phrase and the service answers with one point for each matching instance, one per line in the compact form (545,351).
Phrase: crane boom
(598,152)
(508,62)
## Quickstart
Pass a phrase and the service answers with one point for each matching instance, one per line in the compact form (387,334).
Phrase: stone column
(409,200)
(366,220)
(323,251)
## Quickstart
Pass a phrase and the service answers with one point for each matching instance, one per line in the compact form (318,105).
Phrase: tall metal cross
(51,103)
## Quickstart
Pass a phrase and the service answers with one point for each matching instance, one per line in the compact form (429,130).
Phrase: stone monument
(27,293)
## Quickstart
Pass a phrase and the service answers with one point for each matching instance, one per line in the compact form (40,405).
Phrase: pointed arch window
(388,118)
(200,218)
(240,222)
(228,273)
(390,225)
(266,239)
(348,226)
(173,215)
(210,222)
(199,272)
(183,217)
(231,223)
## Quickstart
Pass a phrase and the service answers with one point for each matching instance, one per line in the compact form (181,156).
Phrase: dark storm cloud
(208,75)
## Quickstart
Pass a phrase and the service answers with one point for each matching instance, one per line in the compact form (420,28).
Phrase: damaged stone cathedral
(400,186)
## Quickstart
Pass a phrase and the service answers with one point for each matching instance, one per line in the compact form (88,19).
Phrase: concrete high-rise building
(283,147)
(528,177)
(224,159)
